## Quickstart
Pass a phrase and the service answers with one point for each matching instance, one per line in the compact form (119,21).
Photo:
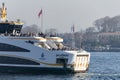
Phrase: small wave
(97,74)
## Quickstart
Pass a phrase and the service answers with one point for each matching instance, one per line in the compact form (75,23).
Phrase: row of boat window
(15,60)
(8,47)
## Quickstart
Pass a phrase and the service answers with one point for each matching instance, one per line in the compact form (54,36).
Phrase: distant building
(109,35)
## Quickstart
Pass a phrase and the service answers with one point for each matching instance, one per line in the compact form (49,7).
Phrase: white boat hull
(31,58)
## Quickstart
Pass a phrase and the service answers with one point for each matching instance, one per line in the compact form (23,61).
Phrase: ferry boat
(20,54)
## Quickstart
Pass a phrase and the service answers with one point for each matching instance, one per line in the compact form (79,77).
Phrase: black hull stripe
(34,70)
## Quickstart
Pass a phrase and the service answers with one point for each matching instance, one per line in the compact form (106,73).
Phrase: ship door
(62,61)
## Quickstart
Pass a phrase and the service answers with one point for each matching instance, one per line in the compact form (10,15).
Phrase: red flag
(40,13)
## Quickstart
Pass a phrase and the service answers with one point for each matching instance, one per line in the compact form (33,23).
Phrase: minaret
(3,13)
(73,36)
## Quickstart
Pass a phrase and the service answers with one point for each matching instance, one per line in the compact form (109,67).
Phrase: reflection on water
(103,66)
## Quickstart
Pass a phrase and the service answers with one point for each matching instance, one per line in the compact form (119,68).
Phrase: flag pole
(42,21)
(40,14)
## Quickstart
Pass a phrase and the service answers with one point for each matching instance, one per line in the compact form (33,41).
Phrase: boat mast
(3,13)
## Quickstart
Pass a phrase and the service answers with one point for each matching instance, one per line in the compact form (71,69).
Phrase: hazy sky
(61,14)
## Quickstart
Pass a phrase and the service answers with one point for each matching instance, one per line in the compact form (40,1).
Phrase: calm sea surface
(103,66)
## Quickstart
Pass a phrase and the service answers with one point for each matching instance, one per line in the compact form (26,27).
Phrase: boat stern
(80,62)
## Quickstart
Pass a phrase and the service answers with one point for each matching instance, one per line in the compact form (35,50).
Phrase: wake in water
(96,76)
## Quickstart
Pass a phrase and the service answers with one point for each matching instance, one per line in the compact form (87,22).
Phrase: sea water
(103,66)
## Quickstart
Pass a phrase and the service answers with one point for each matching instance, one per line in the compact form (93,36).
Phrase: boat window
(31,42)
(8,47)
(16,60)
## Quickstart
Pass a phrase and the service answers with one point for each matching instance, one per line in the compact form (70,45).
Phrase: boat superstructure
(8,26)
(20,54)
(51,54)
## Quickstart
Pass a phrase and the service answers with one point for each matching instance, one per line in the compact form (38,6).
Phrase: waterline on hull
(34,70)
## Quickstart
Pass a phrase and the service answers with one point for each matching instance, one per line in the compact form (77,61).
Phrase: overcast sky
(61,14)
